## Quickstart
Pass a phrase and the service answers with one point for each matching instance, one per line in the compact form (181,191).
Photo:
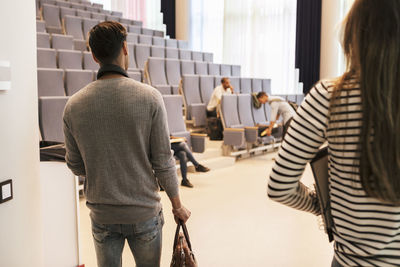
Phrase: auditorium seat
(78,6)
(235,82)
(172,53)
(40,26)
(213,69)
(225,70)
(234,134)
(76,80)
(173,43)
(291,98)
(132,60)
(46,58)
(201,68)
(185,54)
(50,82)
(235,70)
(137,23)
(173,70)
(145,39)
(155,72)
(63,4)
(197,56)
(66,11)
(266,86)
(158,51)
(99,6)
(99,16)
(88,62)
(176,124)
(182,44)
(195,109)
(299,99)
(43,40)
(164,89)
(208,57)
(245,85)
(142,53)
(105,12)
(69,59)
(51,15)
(158,41)
(60,41)
(125,21)
(88,24)
(117,14)
(135,75)
(158,33)
(187,67)
(51,111)
(146,31)
(206,88)
(111,18)
(73,26)
(132,38)
(256,85)
(217,80)
(259,115)
(134,29)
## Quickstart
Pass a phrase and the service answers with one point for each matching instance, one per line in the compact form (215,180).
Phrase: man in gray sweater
(116,135)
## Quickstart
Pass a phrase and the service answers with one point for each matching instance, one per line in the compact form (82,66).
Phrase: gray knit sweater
(116,134)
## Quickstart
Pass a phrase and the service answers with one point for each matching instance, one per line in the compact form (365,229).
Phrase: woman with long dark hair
(358,115)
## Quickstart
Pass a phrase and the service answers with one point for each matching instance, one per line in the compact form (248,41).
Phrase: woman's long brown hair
(371,43)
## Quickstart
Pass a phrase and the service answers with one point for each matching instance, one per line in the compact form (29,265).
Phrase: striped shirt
(367,231)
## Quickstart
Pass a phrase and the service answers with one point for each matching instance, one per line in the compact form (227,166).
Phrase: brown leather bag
(182,255)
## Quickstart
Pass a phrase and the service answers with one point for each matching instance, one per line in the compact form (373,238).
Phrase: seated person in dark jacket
(183,153)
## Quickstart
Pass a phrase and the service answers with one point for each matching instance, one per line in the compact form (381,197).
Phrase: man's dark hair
(106,40)
(261,94)
(224,79)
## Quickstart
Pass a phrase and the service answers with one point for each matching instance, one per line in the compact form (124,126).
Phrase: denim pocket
(147,231)
(99,232)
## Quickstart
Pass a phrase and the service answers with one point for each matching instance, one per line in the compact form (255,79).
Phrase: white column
(20,224)
(182,19)
(330,45)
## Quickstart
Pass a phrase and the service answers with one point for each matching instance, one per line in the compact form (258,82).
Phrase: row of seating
(82,5)
(57,82)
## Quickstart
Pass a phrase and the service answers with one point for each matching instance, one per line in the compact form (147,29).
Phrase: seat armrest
(251,134)
(198,142)
(234,136)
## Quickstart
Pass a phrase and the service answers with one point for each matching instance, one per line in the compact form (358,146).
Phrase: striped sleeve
(307,132)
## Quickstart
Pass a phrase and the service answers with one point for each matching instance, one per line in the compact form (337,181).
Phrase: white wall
(20,224)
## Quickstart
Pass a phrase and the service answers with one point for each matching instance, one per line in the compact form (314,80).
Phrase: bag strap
(185,233)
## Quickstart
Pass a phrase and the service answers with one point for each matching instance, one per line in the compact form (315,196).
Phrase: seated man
(183,153)
(224,88)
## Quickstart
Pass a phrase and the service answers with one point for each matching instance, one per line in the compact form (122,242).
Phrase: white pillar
(330,45)
(20,224)
(182,19)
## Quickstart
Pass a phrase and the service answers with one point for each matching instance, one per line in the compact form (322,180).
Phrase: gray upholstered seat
(158,51)
(172,53)
(69,59)
(235,82)
(146,31)
(43,40)
(51,111)
(98,16)
(201,68)
(266,86)
(78,6)
(88,24)
(173,69)
(112,18)
(156,71)
(142,53)
(135,75)
(66,11)
(245,85)
(259,115)
(171,43)
(63,4)
(158,41)
(158,33)
(46,58)
(185,54)
(208,57)
(117,14)
(88,62)
(75,80)
(92,9)
(234,134)
(206,88)
(145,39)
(50,82)
(164,89)
(99,6)
(213,69)
(132,38)
(60,41)
(51,16)
(182,44)
(225,70)
(299,99)
(187,67)
(197,56)
(176,124)
(73,26)
(235,70)
(125,21)
(134,29)
(105,12)
(256,85)
(40,26)
(137,23)
(195,109)
(291,98)
(132,59)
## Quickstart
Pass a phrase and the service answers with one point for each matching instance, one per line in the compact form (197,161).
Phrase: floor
(234,223)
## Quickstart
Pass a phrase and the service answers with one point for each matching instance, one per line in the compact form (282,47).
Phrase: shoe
(201,168)
(186,183)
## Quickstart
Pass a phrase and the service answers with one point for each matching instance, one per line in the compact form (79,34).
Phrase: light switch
(5,75)
(6,191)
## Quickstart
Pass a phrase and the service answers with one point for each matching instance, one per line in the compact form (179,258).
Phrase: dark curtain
(168,10)
(308,41)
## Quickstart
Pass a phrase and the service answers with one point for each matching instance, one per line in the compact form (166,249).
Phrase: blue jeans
(144,240)
(183,153)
